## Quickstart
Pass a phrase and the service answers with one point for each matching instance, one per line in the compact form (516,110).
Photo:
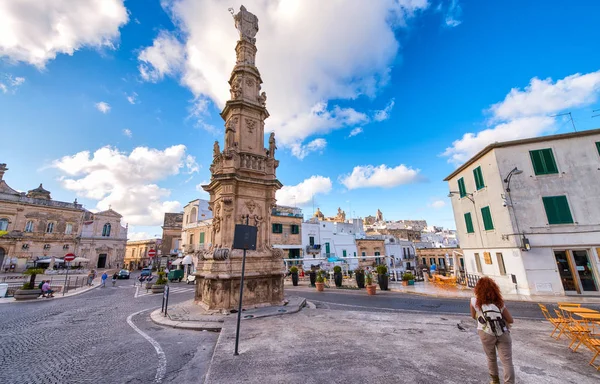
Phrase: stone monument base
(223,291)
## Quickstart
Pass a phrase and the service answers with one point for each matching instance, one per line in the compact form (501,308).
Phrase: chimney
(2,170)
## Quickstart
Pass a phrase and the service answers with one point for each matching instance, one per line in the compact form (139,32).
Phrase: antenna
(570,117)
(596,110)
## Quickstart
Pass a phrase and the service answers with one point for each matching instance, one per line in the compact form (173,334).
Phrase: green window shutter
(543,161)
(469,222)
(488,224)
(294,229)
(344,252)
(327,249)
(277,228)
(479,183)
(461,187)
(201,237)
(557,210)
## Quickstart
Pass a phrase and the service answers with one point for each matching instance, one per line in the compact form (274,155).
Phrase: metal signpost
(68,258)
(165,301)
(244,238)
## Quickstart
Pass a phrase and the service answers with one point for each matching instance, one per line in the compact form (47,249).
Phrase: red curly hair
(488,292)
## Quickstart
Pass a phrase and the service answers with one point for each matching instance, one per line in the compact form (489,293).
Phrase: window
(557,210)
(501,265)
(295,229)
(424,261)
(377,259)
(327,248)
(543,162)
(598,146)
(106,230)
(29,226)
(191,239)
(469,223)
(201,237)
(50,227)
(3,224)
(69,229)
(193,217)
(311,240)
(442,262)
(431,260)
(479,183)
(461,187)
(478,262)
(344,253)
(363,255)
(488,224)
(277,228)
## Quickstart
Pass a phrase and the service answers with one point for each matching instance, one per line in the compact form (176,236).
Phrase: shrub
(337,269)
(161,278)
(408,276)
(321,276)
(32,272)
(359,271)
(381,269)
(369,278)
(294,269)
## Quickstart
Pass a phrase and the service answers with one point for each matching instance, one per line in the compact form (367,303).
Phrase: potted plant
(313,277)
(337,276)
(359,274)
(320,282)
(408,278)
(382,277)
(371,288)
(28,291)
(159,286)
(294,273)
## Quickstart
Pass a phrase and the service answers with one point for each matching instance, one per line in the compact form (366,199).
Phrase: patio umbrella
(187,260)
(80,260)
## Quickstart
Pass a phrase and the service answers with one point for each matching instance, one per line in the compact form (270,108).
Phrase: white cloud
(103,107)
(525,113)
(34,32)
(8,83)
(301,150)
(127,132)
(4,88)
(127,182)
(304,62)
(303,192)
(453,14)
(438,204)
(368,176)
(384,114)
(132,98)
(355,132)
(163,58)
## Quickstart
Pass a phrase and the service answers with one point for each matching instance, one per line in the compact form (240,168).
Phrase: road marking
(172,290)
(162,358)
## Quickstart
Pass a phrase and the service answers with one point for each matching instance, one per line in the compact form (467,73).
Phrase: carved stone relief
(250,124)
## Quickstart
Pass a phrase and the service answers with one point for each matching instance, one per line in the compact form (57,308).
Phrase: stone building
(33,226)
(136,253)
(197,232)
(171,235)
(373,249)
(443,258)
(399,233)
(286,232)
(528,213)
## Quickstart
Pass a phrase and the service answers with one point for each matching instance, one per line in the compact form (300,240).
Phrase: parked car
(146,272)
(123,274)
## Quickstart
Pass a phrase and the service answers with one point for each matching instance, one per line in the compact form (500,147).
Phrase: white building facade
(323,240)
(528,214)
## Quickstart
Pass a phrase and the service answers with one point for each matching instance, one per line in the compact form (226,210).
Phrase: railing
(316,248)
(251,161)
(57,284)
(467,279)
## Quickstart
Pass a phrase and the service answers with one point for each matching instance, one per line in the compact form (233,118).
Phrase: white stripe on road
(162,358)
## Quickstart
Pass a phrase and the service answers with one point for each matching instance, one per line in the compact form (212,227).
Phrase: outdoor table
(578,310)
(588,316)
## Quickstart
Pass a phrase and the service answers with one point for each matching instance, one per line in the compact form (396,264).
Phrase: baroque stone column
(242,188)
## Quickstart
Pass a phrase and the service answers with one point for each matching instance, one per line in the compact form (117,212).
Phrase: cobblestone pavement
(87,339)
(341,299)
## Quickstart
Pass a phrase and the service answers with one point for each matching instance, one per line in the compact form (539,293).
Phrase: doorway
(2,254)
(102,260)
(575,270)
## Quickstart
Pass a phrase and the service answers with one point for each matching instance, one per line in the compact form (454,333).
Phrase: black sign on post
(244,237)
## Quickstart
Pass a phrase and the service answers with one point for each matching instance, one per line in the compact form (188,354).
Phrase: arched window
(106,230)
(50,227)
(193,215)
(3,224)
(29,226)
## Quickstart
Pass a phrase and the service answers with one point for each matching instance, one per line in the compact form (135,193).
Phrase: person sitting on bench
(46,290)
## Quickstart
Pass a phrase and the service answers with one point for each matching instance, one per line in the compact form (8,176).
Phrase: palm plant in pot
(159,286)
(320,281)
(382,277)
(408,279)
(371,288)
(294,273)
(359,274)
(337,276)
(28,291)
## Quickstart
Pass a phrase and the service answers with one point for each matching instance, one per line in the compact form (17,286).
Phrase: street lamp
(515,171)
(467,195)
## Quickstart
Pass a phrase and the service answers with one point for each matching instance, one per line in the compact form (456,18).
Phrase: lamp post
(507,180)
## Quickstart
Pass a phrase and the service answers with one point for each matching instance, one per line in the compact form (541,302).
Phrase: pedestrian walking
(90,278)
(493,327)
(104,277)
(114,278)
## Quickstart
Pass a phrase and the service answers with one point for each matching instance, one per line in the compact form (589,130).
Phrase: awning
(80,260)
(48,261)
(286,246)
(187,260)
(176,262)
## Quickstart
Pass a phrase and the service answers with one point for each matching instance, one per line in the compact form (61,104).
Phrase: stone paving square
(328,346)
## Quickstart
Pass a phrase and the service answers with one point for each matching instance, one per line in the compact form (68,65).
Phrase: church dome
(39,193)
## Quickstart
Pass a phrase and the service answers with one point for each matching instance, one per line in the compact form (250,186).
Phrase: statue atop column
(272,146)
(247,24)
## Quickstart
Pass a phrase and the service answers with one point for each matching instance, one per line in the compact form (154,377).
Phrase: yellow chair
(569,328)
(553,320)
(562,304)
(592,342)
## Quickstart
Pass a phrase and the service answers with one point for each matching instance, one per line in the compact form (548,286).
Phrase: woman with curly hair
(487,292)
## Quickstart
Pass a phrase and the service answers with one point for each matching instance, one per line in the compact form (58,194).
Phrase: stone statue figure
(379,216)
(216,149)
(272,146)
(229,133)
(247,24)
(262,99)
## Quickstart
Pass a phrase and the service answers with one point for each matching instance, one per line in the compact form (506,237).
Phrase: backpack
(492,316)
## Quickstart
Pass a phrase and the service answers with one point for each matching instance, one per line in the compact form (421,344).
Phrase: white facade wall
(578,179)
(326,232)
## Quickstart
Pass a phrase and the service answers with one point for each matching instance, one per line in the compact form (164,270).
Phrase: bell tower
(242,190)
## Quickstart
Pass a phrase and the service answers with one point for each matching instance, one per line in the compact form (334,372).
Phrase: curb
(157,318)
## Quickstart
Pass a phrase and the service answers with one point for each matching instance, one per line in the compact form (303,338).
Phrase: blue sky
(139,86)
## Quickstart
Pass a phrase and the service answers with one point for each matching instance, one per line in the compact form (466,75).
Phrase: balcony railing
(315,248)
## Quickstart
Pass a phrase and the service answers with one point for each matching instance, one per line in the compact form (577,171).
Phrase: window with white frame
(69,229)
(50,227)
(29,226)
(3,224)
